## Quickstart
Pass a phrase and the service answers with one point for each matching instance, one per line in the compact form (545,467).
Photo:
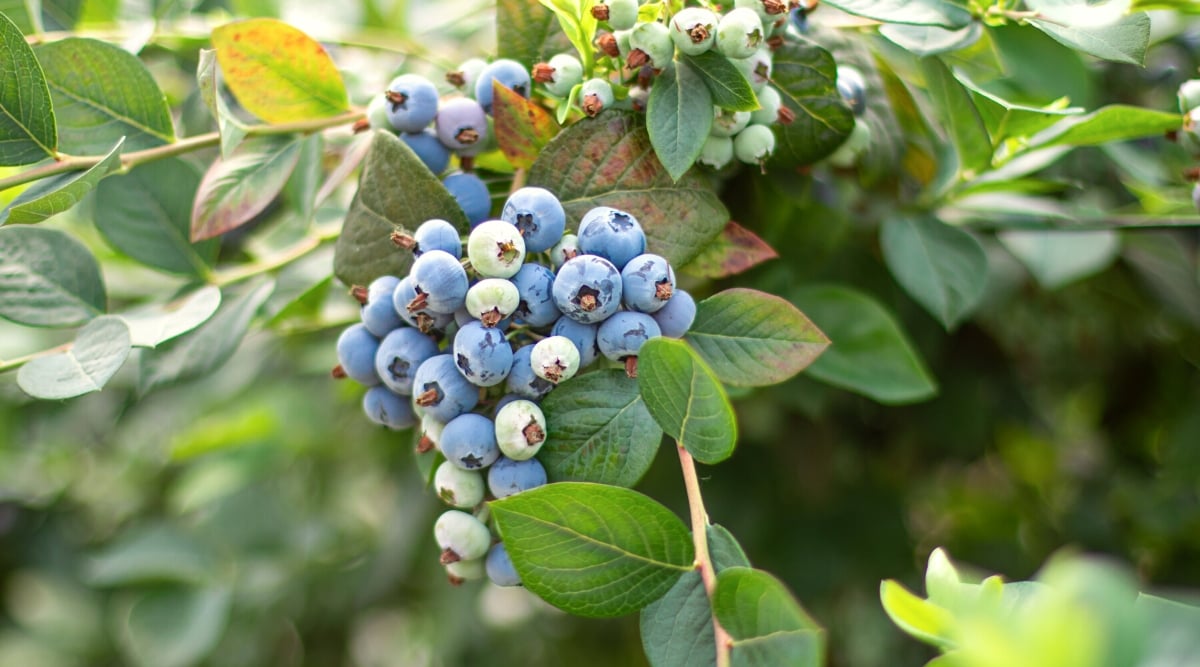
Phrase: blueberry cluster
(1189,135)
(853,88)
(467,348)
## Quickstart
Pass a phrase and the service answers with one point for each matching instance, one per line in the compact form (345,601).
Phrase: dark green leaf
(679,115)
(47,278)
(158,323)
(99,350)
(686,399)
(27,129)
(942,13)
(766,623)
(752,338)
(592,549)
(146,214)
(944,268)
(608,161)
(600,430)
(735,251)
(1124,41)
(724,80)
(1112,123)
(235,190)
(151,554)
(204,349)
(806,77)
(869,354)
(522,126)
(102,93)
(365,250)
(528,32)
(957,113)
(174,627)
(55,195)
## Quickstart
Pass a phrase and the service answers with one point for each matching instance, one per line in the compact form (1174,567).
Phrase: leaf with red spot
(735,251)
(277,72)
(522,126)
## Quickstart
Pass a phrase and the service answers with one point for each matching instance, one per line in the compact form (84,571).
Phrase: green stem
(69,163)
(276,261)
(708,574)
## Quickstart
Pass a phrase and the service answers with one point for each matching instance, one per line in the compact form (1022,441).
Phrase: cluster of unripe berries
(1189,135)
(467,347)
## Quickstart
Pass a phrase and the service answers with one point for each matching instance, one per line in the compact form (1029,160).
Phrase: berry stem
(708,574)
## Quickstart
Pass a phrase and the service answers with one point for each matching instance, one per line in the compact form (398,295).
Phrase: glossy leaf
(99,351)
(522,126)
(735,251)
(686,399)
(236,189)
(1058,257)
(608,161)
(944,13)
(943,268)
(146,214)
(1124,41)
(679,115)
(805,75)
(102,93)
(52,196)
(174,627)
(48,279)
(601,430)
(751,338)
(724,81)
(27,128)
(158,323)
(766,623)
(277,72)
(869,354)
(918,617)
(957,113)
(365,250)
(592,549)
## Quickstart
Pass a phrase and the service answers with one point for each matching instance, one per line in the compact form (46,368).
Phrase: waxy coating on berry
(756,68)
(459,488)
(521,379)
(436,234)
(356,348)
(387,408)
(562,73)
(582,335)
(769,102)
(622,335)
(612,234)
(508,73)
(853,88)
(716,152)
(472,195)
(429,149)
(536,307)
(588,289)
(496,249)
(500,568)
(740,33)
(461,536)
(461,571)
(462,125)
(675,319)
(400,354)
(595,96)
(554,359)
(728,123)
(508,477)
(412,102)
(491,300)
(650,44)
(440,391)
(538,215)
(647,283)
(622,14)
(377,314)
(467,74)
(520,429)
(441,283)
(469,441)
(482,354)
(754,144)
(694,30)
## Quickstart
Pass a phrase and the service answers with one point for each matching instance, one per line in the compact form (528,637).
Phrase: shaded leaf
(928,40)
(735,251)
(943,268)
(48,279)
(27,127)
(724,81)
(957,113)
(686,399)
(679,115)
(1124,41)
(805,75)
(174,627)
(52,196)
(767,624)
(522,126)
(1058,257)
(942,13)
(158,323)
(236,189)
(302,186)
(148,555)
(99,350)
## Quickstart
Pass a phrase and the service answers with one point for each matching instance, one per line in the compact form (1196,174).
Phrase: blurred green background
(254,517)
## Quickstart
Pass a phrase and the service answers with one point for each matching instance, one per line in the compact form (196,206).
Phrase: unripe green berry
(653,40)
(694,30)
(848,153)
(457,487)
(728,123)
(565,249)
(520,429)
(769,102)
(491,300)
(756,68)
(595,96)
(461,536)
(740,33)
(717,151)
(496,249)
(431,434)
(377,113)
(1189,95)
(622,37)
(466,570)
(622,14)
(467,74)
(567,73)
(767,11)
(554,359)
(754,144)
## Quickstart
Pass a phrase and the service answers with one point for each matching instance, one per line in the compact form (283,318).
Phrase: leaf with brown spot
(735,251)
(522,126)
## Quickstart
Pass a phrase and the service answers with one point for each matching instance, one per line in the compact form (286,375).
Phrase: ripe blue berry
(472,195)
(508,73)
(491,300)
(500,567)
(440,391)
(623,334)
(554,359)
(461,536)
(535,286)
(482,354)
(853,88)
(521,379)
(440,281)
(386,408)
(538,215)
(587,289)
(356,348)
(457,487)
(694,30)
(612,234)
(462,126)
(412,102)
(520,429)
(424,320)
(508,477)
(647,283)
(437,234)
(430,151)
(675,318)
(582,335)
(469,441)
(400,353)
(740,33)
(377,314)
(496,249)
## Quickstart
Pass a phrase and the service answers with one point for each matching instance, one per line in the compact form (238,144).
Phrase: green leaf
(27,128)
(1082,13)
(207,347)
(277,72)
(601,430)
(806,77)
(677,629)
(942,13)
(869,354)
(1058,257)
(365,250)
(236,189)
(528,32)
(928,40)
(231,129)
(99,350)
(300,191)
(918,617)
(522,127)
(943,268)
(149,555)
(957,113)
(752,339)
(1124,41)
(174,627)
(724,80)
(679,115)
(158,323)
(1112,123)
(735,251)
(766,623)
(55,195)
(686,399)
(608,161)
(102,93)
(1012,119)
(592,549)
(146,214)
(48,279)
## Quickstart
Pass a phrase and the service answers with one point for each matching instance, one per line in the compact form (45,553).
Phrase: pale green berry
(457,487)
(431,432)
(622,37)
(377,113)
(492,299)
(595,96)
(496,249)
(520,429)
(756,68)
(568,72)
(694,30)
(728,123)
(650,44)
(740,33)
(717,152)
(769,102)
(461,536)
(754,144)
(566,248)
(767,11)
(466,570)
(1189,95)
(468,73)
(848,153)
(622,14)
(555,359)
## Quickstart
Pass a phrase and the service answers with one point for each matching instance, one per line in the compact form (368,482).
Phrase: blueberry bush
(385,334)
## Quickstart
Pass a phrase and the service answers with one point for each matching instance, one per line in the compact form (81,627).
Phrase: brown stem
(708,573)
